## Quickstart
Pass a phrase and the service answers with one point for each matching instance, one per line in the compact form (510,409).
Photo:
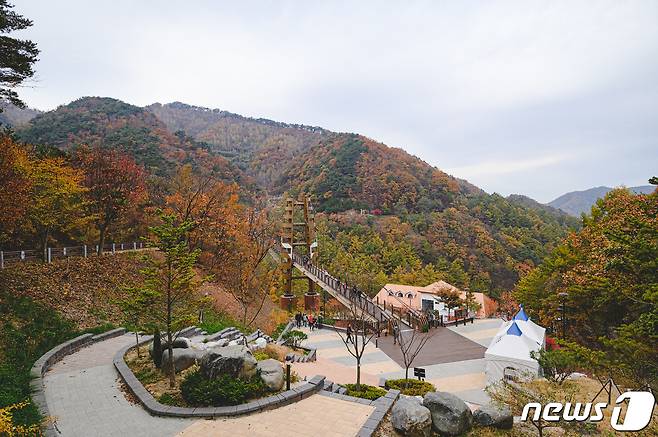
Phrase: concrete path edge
(155,408)
(41,366)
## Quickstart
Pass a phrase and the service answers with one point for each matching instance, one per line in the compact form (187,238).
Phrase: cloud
(491,90)
(507,166)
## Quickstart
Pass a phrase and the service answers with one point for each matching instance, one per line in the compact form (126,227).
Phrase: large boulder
(183,359)
(450,415)
(489,415)
(271,372)
(410,418)
(236,361)
(178,343)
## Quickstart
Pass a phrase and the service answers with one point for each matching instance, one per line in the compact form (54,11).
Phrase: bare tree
(363,331)
(411,342)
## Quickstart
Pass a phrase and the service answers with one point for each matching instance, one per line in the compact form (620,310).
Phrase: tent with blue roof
(509,355)
(527,327)
(521,315)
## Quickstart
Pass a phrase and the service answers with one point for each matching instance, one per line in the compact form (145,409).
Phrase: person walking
(298,319)
(396,332)
(305,320)
(311,322)
(349,335)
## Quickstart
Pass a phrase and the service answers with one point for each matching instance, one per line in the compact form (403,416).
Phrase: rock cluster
(445,414)
(222,356)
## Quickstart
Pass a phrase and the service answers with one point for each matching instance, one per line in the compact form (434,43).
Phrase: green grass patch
(215,321)
(365,391)
(147,376)
(28,329)
(410,387)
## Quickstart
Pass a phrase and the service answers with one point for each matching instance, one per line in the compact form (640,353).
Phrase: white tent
(510,356)
(528,329)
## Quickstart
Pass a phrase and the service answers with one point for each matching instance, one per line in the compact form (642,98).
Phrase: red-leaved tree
(115,182)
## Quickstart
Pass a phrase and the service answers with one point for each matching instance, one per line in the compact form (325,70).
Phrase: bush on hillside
(215,321)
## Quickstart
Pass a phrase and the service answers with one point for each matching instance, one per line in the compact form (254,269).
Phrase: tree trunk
(102,230)
(358,374)
(157,349)
(406,375)
(137,344)
(44,246)
(172,369)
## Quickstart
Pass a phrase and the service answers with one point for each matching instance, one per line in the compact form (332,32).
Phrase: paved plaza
(83,395)
(464,376)
(84,398)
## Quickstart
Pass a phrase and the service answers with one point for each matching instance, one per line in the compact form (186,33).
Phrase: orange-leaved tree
(115,184)
(15,187)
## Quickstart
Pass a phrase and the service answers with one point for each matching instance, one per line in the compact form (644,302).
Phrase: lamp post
(563,301)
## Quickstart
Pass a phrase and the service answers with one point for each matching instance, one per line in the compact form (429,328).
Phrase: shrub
(410,387)
(365,392)
(222,391)
(278,330)
(168,399)
(294,338)
(260,355)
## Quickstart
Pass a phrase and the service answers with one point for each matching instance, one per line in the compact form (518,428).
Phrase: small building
(428,298)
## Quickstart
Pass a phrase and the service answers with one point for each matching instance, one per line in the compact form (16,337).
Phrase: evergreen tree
(17,56)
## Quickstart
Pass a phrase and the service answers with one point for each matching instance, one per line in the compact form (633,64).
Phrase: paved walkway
(83,396)
(312,417)
(464,376)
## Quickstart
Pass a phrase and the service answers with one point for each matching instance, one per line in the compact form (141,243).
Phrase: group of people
(308,320)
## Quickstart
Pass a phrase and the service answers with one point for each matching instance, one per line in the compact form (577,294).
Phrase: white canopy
(510,355)
(528,329)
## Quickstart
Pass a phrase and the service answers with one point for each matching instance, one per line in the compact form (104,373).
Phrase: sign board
(419,373)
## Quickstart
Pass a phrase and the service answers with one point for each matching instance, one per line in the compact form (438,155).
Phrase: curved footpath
(84,399)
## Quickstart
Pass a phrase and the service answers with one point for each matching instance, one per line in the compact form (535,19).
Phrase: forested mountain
(117,125)
(13,116)
(578,202)
(429,224)
(260,147)
(349,171)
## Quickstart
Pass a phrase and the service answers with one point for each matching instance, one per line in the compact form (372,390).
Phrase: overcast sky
(537,98)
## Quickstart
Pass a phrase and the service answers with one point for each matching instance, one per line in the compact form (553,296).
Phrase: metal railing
(349,292)
(8,257)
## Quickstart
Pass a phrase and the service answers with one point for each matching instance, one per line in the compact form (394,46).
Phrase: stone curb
(41,366)
(382,406)
(155,408)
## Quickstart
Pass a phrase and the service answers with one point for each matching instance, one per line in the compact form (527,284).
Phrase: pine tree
(16,55)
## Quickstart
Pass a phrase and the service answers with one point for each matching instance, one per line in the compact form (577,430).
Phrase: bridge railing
(349,292)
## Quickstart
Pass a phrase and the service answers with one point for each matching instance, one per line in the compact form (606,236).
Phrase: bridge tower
(298,236)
